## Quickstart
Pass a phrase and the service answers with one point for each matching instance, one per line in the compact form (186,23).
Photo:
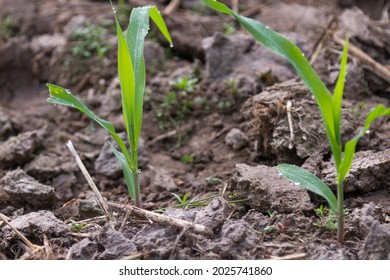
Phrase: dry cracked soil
(215,126)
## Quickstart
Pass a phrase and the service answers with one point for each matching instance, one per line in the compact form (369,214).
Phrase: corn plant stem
(340,214)
(137,191)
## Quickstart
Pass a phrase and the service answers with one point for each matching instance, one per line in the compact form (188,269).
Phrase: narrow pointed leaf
(308,181)
(127,82)
(126,171)
(282,46)
(61,96)
(350,146)
(135,37)
(337,102)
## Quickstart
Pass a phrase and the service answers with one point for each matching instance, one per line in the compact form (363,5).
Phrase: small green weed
(178,103)
(186,84)
(9,27)
(326,218)
(89,40)
(228,29)
(188,159)
(76,226)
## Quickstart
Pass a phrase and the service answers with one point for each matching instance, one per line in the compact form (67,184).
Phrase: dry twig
(366,61)
(161,219)
(102,203)
(172,7)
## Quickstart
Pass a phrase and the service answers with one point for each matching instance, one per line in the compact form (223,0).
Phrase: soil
(218,138)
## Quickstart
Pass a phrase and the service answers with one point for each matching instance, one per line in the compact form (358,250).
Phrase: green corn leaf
(337,102)
(127,82)
(61,96)
(350,146)
(309,182)
(282,46)
(126,171)
(135,36)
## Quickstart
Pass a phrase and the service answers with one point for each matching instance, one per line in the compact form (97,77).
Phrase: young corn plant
(131,70)
(330,108)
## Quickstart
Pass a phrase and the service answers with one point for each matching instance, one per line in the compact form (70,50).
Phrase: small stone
(18,189)
(236,139)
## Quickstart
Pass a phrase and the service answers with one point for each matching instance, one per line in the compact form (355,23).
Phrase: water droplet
(139,171)
(171,45)
(297,183)
(113,9)
(368,132)
(303,54)
(280,174)
(68,91)
(267,26)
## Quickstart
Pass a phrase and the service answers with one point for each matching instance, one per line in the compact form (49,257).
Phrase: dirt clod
(115,244)
(20,149)
(214,214)
(368,172)
(83,250)
(19,189)
(37,224)
(266,191)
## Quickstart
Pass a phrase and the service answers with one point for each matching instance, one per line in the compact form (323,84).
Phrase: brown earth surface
(218,139)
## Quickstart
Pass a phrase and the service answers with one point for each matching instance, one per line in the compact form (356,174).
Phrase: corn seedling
(330,108)
(131,70)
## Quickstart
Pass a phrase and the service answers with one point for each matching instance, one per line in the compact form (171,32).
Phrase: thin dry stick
(103,204)
(235,6)
(172,7)
(31,246)
(290,124)
(366,61)
(296,256)
(158,218)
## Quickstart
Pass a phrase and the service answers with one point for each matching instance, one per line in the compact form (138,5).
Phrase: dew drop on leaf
(139,171)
